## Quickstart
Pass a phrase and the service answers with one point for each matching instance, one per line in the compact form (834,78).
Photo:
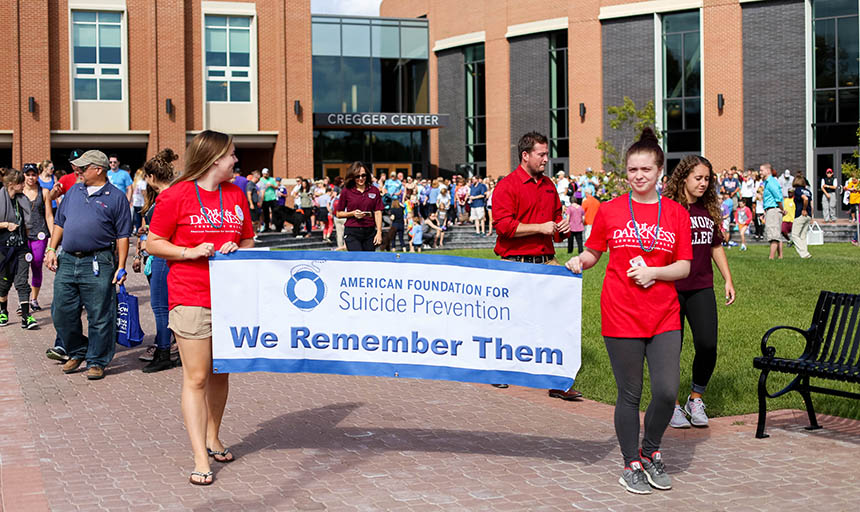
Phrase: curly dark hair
(674,188)
(159,167)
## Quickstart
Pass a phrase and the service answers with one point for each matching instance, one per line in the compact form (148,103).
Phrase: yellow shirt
(788,204)
(854,186)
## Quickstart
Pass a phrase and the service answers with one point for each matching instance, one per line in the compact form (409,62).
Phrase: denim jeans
(75,286)
(158,301)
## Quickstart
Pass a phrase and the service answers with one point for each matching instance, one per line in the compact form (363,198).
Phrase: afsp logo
(305,288)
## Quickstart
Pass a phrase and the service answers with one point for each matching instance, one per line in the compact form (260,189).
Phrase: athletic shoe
(148,354)
(57,354)
(29,323)
(679,419)
(655,472)
(634,479)
(4,319)
(743,247)
(695,408)
(732,243)
(34,305)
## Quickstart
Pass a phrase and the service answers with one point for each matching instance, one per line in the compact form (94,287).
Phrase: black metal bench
(831,352)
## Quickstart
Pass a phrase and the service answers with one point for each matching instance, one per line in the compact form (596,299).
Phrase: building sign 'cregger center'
(380,120)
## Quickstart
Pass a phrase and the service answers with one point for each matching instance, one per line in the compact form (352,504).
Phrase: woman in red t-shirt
(200,213)
(691,185)
(648,238)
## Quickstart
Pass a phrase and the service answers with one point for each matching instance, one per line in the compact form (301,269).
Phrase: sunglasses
(360,176)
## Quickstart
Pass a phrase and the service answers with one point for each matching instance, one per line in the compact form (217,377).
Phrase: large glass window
(97,55)
(228,58)
(836,72)
(476,112)
(558,98)
(369,64)
(682,78)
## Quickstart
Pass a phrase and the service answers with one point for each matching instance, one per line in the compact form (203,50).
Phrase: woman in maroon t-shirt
(361,205)
(692,185)
(200,213)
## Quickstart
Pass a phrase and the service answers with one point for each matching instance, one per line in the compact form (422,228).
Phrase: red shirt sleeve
(597,239)
(503,209)
(67,181)
(684,242)
(165,216)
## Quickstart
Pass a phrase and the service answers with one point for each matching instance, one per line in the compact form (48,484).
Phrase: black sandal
(224,454)
(202,475)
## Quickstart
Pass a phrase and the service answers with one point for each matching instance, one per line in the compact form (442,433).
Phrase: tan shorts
(773,225)
(190,322)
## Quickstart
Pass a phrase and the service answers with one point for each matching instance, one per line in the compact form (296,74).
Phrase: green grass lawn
(769,293)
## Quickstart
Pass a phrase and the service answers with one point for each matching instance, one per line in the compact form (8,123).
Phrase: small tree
(629,122)
(850,169)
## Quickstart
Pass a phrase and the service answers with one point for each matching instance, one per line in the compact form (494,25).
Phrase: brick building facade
(741,81)
(149,63)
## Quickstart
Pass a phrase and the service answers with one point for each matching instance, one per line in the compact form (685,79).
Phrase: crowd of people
(663,236)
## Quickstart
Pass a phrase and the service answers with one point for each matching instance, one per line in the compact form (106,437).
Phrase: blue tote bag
(128,331)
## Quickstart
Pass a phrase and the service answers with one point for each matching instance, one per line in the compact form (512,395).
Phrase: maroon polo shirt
(368,201)
(520,199)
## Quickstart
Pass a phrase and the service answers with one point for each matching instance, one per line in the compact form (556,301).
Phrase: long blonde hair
(204,149)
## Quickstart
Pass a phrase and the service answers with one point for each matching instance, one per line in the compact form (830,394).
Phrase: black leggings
(398,233)
(627,356)
(699,307)
(359,239)
(574,235)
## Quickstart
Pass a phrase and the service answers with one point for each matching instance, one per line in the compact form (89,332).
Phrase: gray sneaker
(634,479)
(655,472)
(679,419)
(695,407)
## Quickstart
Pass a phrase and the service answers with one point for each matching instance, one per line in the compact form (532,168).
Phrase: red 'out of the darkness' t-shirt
(627,309)
(705,235)
(179,218)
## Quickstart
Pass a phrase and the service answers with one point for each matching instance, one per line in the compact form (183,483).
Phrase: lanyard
(206,212)
(636,226)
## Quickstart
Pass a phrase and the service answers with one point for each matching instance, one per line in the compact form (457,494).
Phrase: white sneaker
(695,407)
(679,419)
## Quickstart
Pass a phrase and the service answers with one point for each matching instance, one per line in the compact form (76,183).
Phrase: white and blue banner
(396,315)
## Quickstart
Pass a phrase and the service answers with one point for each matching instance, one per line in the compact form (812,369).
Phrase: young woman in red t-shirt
(200,213)
(691,185)
(648,238)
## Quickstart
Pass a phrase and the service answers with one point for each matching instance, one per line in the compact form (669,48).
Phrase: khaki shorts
(773,225)
(477,213)
(191,322)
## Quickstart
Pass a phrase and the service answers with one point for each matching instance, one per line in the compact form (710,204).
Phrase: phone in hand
(639,261)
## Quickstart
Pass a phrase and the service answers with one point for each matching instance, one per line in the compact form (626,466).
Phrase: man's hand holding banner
(396,315)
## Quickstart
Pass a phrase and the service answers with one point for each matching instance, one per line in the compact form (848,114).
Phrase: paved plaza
(331,442)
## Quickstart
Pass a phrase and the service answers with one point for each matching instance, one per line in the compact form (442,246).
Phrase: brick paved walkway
(317,442)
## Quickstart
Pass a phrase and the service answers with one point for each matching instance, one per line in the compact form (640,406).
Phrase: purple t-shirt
(705,234)
(241,182)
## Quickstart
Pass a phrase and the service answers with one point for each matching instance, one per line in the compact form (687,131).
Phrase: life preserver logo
(240,213)
(305,288)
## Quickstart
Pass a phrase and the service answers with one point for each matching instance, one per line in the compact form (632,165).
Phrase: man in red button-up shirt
(527,216)
(526,209)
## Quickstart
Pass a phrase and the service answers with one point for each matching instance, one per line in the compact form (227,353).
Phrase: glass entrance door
(392,169)
(831,158)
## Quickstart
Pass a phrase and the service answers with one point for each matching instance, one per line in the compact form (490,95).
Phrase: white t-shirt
(748,188)
(137,198)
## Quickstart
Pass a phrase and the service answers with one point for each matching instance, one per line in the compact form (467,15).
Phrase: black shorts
(255,214)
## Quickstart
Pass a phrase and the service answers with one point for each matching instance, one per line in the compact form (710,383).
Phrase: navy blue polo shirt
(93,222)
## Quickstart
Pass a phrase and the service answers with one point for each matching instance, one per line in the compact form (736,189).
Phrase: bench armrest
(768,351)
